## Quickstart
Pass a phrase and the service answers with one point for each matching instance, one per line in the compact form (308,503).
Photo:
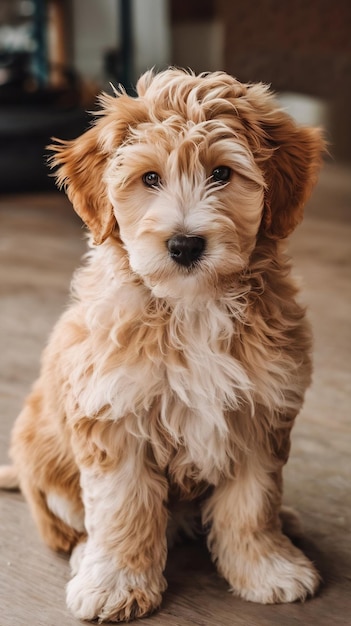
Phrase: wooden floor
(41,243)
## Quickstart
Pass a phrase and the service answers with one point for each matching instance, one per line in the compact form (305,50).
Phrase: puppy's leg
(247,542)
(119,570)
(47,474)
(56,533)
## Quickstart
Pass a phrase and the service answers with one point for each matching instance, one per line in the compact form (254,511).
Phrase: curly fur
(164,384)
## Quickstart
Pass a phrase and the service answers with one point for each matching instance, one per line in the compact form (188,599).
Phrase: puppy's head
(189,174)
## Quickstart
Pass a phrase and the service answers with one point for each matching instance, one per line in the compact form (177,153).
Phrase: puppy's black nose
(186,250)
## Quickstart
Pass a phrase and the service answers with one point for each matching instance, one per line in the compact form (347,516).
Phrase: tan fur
(160,382)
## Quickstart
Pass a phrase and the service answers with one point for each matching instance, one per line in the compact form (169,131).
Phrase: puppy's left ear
(291,157)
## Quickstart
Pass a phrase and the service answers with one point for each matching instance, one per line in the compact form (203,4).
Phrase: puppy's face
(190,173)
(188,199)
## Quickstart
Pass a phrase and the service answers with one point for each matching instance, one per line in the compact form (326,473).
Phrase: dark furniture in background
(40,93)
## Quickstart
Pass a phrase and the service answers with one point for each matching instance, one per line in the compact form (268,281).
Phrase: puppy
(177,371)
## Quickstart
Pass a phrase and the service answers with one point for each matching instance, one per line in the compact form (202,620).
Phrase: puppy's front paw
(100,590)
(284,575)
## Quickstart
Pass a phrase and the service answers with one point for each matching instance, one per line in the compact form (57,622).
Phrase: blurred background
(56,55)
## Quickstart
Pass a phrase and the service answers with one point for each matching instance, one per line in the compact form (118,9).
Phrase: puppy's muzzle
(186,250)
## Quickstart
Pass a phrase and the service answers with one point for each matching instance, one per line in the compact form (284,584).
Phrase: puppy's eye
(221,174)
(151,179)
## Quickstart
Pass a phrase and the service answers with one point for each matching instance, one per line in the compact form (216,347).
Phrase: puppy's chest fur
(187,380)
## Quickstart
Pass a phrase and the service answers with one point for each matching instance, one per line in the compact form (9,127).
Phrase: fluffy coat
(166,384)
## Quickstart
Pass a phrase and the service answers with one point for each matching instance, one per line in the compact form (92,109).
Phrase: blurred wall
(152,35)
(97,30)
(299,46)
(197,33)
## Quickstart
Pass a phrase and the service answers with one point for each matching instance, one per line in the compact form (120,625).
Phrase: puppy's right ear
(82,162)
(81,172)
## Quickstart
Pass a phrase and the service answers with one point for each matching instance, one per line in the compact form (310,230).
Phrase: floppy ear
(291,173)
(290,156)
(81,171)
(82,163)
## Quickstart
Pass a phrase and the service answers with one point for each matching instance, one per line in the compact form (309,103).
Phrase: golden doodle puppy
(177,371)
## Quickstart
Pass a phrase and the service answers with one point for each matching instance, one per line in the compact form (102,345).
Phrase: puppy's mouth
(186,250)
